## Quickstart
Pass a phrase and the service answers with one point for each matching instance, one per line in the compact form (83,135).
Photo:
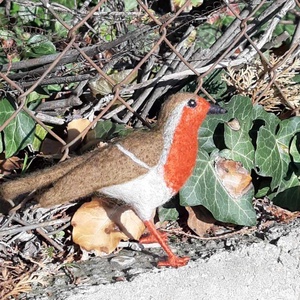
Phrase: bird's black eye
(192,103)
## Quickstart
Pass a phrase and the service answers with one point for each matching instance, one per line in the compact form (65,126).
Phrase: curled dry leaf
(234,177)
(99,226)
(10,164)
(74,128)
(200,220)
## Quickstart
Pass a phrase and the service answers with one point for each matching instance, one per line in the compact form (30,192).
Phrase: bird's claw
(174,261)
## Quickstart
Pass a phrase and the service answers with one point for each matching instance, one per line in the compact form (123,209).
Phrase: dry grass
(253,80)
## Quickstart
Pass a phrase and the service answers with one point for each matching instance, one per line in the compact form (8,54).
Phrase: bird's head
(187,107)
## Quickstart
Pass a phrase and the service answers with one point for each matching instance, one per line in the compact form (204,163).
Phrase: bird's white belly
(144,193)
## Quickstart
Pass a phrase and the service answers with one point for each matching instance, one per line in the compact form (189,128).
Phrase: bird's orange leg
(149,238)
(173,260)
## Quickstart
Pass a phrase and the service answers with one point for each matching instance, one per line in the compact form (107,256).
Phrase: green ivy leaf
(207,34)
(39,45)
(204,188)
(106,130)
(236,137)
(272,154)
(289,197)
(210,133)
(102,87)
(130,5)
(39,136)
(167,214)
(295,149)
(19,132)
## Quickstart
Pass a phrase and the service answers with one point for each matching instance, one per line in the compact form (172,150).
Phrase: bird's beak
(216,109)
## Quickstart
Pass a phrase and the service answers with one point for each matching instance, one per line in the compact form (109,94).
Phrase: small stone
(122,261)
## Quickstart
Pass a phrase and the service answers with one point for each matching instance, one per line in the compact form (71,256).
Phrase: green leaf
(289,198)
(19,132)
(237,139)
(39,45)
(106,130)
(26,13)
(210,133)
(102,87)
(34,96)
(295,149)
(130,5)
(204,188)
(207,34)
(272,154)
(167,214)
(39,136)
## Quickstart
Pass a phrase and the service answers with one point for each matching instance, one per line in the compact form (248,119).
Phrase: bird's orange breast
(182,155)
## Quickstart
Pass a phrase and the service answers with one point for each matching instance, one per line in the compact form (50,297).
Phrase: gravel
(260,265)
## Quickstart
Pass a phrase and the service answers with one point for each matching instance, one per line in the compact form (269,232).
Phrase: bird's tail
(10,190)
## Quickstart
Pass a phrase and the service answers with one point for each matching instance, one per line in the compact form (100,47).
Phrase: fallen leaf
(74,128)
(99,226)
(200,220)
(9,165)
(233,176)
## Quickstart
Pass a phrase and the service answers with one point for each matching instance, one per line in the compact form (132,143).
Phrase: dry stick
(242,59)
(296,36)
(49,119)
(229,49)
(262,19)
(53,64)
(14,114)
(265,38)
(162,30)
(22,97)
(42,233)
(60,80)
(78,25)
(72,55)
(84,132)
(56,16)
(229,36)
(117,88)
(32,226)
(164,89)
(166,70)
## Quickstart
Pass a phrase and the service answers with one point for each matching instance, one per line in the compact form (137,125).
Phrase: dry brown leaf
(10,164)
(74,128)
(234,177)
(99,226)
(200,220)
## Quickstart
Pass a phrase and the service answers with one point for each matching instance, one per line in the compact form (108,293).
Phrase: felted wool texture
(145,145)
(182,154)
(143,194)
(36,180)
(81,176)
(108,167)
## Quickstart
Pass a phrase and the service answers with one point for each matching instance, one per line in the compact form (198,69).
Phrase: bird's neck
(180,148)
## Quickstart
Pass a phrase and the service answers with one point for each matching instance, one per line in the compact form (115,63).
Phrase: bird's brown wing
(105,168)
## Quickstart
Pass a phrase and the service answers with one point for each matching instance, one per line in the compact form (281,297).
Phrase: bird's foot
(174,261)
(150,238)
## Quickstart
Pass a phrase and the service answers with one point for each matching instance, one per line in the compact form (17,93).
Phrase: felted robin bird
(145,169)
